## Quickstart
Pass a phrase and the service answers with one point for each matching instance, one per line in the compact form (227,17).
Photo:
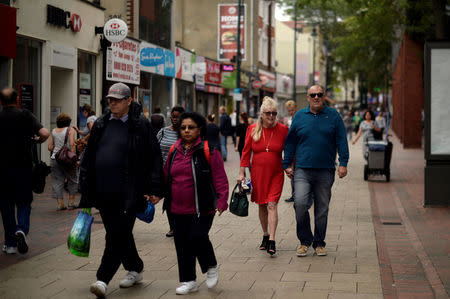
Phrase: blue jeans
(9,220)
(223,145)
(312,185)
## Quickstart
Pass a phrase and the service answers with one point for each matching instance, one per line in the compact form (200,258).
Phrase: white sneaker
(4,248)
(9,249)
(98,288)
(22,243)
(212,277)
(131,279)
(187,287)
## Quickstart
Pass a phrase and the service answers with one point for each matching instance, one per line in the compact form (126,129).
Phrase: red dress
(266,172)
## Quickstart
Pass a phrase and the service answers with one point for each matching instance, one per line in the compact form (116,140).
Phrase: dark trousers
(192,242)
(120,247)
(15,192)
(170,218)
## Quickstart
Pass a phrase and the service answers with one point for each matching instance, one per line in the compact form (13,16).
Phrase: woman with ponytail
(265,140)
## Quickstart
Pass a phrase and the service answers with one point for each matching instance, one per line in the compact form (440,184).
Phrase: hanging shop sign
(122,62)
(115,30)
(213,73)
(268,80)
(257,84)
(199,72)
(60,18)
(228,67)
(184,61)
(229,79)
(228,31)
(157,60)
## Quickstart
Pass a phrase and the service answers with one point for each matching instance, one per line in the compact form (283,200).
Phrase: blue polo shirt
(314,139)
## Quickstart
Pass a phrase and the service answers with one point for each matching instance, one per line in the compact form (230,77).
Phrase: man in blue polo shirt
(314,136)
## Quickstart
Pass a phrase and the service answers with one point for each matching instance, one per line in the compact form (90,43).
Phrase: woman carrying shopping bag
(196,188)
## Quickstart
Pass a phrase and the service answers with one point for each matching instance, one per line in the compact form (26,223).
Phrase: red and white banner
(122,62)
(214,89)
(228,34)
(213,73)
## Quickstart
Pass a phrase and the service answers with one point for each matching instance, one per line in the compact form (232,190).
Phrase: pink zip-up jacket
(183,191)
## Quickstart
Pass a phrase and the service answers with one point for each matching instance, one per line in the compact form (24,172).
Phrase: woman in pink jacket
(197,188)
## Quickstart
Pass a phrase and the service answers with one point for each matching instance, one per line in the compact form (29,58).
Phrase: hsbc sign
(115,30)
(60,18)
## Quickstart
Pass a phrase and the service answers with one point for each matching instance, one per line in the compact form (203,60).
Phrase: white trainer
(4,248)
(212,277)
(22,244)
(98,288)
(187,287)
(11,250)
(131,279)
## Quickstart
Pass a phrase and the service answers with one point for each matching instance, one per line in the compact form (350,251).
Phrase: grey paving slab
(350,270)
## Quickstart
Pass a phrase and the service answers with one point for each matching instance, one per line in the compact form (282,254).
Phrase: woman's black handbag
(239,202)
(39,172)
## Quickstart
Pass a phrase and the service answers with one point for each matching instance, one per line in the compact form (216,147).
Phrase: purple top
(183,197)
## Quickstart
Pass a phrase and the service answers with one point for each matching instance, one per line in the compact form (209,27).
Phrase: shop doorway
(62,85)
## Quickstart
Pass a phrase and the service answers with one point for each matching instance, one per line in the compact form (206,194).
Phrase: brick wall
(408,94)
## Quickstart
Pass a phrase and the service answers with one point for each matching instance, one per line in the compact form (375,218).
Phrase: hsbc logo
(60,18)
(115,30)
(114,26)
(75,23)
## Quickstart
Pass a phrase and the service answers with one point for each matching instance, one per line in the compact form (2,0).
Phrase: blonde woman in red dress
(265,140)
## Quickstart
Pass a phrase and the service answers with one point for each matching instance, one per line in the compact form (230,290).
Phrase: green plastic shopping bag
(79,239)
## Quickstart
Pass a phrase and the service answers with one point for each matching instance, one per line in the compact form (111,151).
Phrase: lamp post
(238,60)
(313,35)
(294,96)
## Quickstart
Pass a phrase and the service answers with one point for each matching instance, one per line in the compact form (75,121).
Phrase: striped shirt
(166,137)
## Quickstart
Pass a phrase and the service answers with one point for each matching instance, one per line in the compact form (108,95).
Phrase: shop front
(208,85)
(268,84)
(284,91)
(185,90)
(157,73)
(57,63)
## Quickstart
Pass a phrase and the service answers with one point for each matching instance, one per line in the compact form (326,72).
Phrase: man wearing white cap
(121,170)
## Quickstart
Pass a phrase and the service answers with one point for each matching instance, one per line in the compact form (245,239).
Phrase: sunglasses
(269,113)
(313,95)
(190,128)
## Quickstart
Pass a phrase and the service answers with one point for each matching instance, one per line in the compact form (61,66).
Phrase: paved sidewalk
(350,270)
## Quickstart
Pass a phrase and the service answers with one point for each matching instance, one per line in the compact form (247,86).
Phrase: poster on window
(228,31)
(122,62)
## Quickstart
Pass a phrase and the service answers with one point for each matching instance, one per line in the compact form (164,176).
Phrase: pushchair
(379,157)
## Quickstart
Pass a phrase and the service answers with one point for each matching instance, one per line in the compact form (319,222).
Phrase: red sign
(213,74)
(257,84)
(228,31)
(214,89)
(8,26)
(75,23)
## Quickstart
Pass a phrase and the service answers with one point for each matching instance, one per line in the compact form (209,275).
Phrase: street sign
(237,94)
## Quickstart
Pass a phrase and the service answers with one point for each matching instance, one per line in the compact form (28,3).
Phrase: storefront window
(86,84)
(185,95)
(155,21)
(27,74)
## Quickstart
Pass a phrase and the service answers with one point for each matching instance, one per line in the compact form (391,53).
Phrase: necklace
(264,137)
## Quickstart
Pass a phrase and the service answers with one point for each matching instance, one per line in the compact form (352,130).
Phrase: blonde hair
(290,104)
(267,102)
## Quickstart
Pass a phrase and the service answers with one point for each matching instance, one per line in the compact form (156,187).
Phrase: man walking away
(225,130)
(291,108)
(121,170)
(18,130)
(315,154)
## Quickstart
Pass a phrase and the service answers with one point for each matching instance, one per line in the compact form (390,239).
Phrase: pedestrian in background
(349,126)
(89,115)
(315,153)
(121,170)
(265,140)
(157,120)
(241,131)
(233,126)
(61,173)
(167,137)
(196,188)
(291,108)
(366,130)
(18,130)
(212,131)
(225,130)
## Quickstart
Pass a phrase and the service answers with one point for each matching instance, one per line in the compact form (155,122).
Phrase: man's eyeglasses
(313,95)
(269,113)
(190,128)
